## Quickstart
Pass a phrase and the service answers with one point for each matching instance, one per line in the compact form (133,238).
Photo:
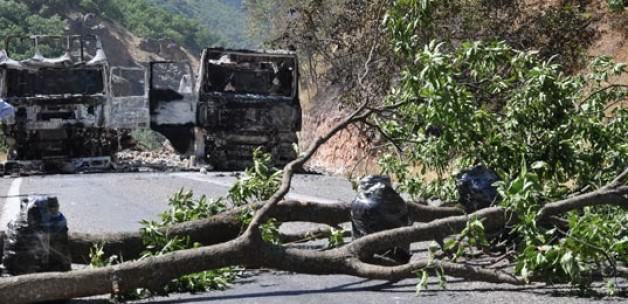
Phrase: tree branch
(263,214)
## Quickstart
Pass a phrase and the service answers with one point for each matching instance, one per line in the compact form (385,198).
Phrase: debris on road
(475,187)
(163,159)
(377,208)
(37,240)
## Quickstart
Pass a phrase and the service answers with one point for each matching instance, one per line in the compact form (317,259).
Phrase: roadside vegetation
(472,87)
(227,18)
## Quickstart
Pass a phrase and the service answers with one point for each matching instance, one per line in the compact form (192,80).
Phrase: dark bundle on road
(377,208)
(475,187)
(37,240)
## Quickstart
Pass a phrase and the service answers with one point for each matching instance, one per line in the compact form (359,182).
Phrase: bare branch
(451,269)
(605,196)
(619,179)
(263,214)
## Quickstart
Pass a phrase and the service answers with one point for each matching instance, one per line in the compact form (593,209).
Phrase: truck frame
(242,100)
(66,118)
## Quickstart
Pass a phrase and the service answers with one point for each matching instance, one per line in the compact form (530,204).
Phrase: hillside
(570,32)
(142,18)
(134,30)
(225,18)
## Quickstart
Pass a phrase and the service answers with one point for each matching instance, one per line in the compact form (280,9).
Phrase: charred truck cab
(64,114)
(242,100)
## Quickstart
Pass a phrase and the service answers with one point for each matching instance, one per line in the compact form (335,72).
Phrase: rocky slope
(124,48)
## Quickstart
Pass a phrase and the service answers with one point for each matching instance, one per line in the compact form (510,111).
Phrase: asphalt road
(117,202)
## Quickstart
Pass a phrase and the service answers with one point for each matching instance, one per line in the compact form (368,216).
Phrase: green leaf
(538,165)
(422,282)
(567,263)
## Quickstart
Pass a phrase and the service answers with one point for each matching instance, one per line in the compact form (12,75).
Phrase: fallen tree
(227,226)
(560,151)
(249,249)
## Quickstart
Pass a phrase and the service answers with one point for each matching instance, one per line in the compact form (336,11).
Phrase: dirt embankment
(612,35)
(344,151)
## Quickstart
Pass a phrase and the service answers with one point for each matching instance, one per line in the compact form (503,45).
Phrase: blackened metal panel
(173,103)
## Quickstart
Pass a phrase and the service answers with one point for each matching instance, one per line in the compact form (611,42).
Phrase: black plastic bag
(378,207)
(475,187)
(37,240)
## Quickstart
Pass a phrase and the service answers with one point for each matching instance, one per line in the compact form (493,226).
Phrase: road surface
(117,202)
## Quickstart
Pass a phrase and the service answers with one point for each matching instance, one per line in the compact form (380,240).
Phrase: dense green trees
(16,17)
(148,20)
(226,18)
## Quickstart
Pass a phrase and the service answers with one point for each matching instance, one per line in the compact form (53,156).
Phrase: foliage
(141,17)
(548,134)
(98,259)
(555,30)
(183,208)
(472,235)
(333,38)
(616,6)
(259,182)
(487,113)
(227,18)
(423,274)
(151,21)
(336,238)
(16,18)
(596,236)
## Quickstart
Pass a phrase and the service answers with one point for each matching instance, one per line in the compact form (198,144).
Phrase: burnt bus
(241,100)
(65,116)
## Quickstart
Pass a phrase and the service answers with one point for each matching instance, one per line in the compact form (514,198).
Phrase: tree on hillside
(141,17)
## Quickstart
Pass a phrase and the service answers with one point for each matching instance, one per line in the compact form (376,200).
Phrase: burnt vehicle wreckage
(73,112)
(242,100)
(60,106)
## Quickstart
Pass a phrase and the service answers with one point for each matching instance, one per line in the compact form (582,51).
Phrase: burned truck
(64,116)
(241,100)
(72,111)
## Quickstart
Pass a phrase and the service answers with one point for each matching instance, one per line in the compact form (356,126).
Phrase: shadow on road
(386,287)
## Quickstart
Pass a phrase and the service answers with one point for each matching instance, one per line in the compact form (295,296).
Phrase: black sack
(37,240)
(475,187)
(378,207)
